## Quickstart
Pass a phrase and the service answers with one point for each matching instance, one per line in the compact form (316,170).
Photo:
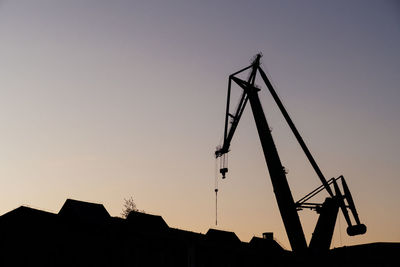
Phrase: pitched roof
(144,221)
(86,211)
(24,213)
(265,244)
(225,237)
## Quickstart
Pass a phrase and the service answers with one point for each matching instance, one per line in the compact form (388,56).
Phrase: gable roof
(24,213)
(82,210)
(144,221)
(225,237)
(265,244)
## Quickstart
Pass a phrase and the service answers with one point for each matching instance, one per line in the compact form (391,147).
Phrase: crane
(288,208)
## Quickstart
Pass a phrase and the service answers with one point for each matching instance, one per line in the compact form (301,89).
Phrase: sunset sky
(104,100)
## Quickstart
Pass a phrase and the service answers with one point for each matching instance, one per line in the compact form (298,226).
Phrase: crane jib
(288,208)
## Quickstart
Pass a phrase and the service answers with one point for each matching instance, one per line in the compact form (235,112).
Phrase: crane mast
(288,208)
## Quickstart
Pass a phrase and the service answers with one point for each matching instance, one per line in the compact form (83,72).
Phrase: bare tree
(129,206)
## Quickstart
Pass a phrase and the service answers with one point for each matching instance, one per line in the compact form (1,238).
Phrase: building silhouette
(84,234)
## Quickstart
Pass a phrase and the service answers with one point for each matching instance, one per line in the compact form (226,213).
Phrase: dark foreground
(84,234)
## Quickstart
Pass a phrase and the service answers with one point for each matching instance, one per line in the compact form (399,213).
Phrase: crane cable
(223,168)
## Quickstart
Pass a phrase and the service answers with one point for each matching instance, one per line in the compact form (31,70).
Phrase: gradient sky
(103,100)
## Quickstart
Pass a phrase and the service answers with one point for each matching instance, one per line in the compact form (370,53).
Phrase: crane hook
(223,165)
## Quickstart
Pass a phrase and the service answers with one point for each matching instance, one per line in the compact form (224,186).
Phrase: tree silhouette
(129,206)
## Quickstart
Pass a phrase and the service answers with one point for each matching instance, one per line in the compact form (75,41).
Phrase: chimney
(268,236)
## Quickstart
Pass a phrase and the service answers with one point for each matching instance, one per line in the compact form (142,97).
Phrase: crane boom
(280,184)
(328,211)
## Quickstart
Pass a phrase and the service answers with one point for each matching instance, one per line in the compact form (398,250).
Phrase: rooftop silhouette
(84,234)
